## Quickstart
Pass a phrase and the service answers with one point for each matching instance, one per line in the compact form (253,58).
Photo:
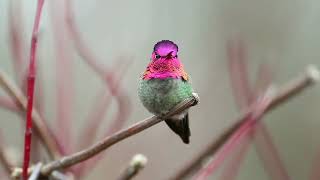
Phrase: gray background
(282,33)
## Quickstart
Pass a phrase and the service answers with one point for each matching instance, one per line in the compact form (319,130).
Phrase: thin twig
(16,40)
(268,154)
(242,91)
(30,90)
(105,73)
(94,119)
(85,154)
(39,96)
(289,90)
(258,111)
(265,147)
(35,172)
(56,175)
(80,45)
(232,168)
(245,95)
(263,79)
(238,72)
(121,96)
(64,76)
(6,162)
(103,100)
(87,55)
(40,127)
(9,104)
(137,163)
(116,123)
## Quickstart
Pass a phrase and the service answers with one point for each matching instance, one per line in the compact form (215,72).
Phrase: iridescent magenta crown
(165,44)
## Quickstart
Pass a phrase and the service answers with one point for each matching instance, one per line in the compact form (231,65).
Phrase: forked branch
(45,133)
(283,94)
(85,154)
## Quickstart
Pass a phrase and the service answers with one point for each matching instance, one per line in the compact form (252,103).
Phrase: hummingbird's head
(165,62)
(164,49)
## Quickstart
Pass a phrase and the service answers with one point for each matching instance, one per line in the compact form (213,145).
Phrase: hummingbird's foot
(162,115)
(196,98)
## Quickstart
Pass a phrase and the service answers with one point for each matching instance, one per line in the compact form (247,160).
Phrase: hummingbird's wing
(180,127)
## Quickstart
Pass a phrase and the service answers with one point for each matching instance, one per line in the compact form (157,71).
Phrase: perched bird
(164,84)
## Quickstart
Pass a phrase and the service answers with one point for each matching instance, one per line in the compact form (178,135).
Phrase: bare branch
(45,134)
(105,73)
(268,154)
(65,86)
(9,104)
(263,79)
(35,172)
(56,175)
(237,62)
(231,170)
(17,43)
(103,100)
(289,90)
(236,51)
(5,160)
(246,128)
(85,154)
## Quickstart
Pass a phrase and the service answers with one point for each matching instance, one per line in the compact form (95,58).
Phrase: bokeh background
(282,33)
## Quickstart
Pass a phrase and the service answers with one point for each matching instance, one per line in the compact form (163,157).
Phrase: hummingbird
(164,84)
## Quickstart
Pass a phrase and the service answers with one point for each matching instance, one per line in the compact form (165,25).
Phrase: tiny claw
(196,99)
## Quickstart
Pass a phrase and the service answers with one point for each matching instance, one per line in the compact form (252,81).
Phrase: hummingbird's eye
(157,56)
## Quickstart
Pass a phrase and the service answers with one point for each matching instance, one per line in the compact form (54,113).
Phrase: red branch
(96,116)
(244,95)
(117,123)
(232,169)
(237,61)
(238,73)
(80,44)
(102,101)
(6,162)
(244,129)
(108,141)
(64,76)
(9,104)
(16,41)
(263,79)
(104,72)
(30,90)
(123,102)
(268,154)
(293,87)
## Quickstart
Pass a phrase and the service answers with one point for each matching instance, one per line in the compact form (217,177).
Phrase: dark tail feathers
(180,127)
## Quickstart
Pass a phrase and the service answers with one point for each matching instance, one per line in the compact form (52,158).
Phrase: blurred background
(284,34)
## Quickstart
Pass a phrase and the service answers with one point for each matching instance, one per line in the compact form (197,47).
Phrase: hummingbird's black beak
(169,55)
